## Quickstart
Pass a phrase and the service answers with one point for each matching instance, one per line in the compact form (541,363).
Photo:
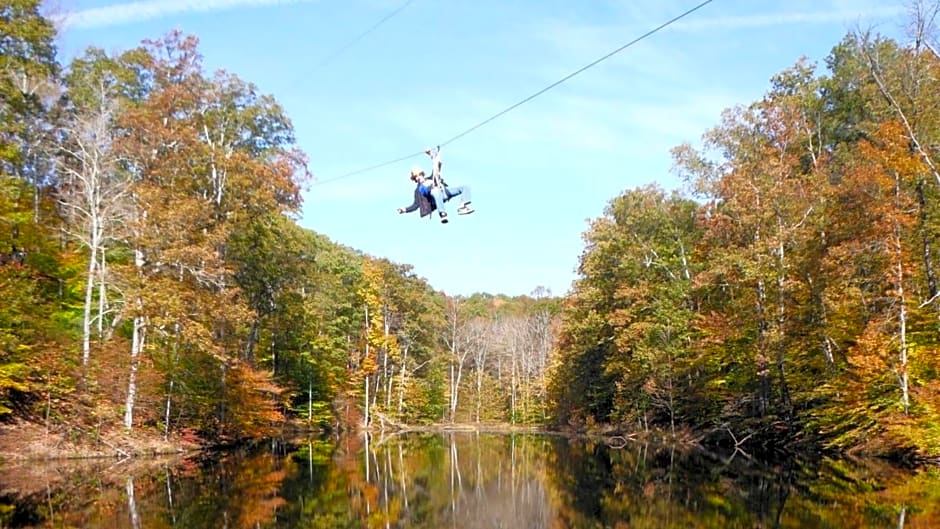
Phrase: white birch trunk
(455,390)
(137,345)
(89,295)
(102,293)
(401,382)
(366,377)
(366,419)
(902,370)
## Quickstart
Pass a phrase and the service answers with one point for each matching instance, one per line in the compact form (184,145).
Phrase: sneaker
(465,209)
(443,218)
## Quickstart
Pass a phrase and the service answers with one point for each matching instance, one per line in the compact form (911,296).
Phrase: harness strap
(436,164)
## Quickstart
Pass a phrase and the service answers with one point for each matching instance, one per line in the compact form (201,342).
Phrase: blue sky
(538,173)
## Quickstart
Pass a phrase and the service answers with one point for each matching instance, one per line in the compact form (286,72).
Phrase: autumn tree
(631,315)
(94,187)
(32,267)
(28,70)
(401,339)
(209,154)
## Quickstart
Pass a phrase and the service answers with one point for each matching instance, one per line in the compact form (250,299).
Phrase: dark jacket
(424,203)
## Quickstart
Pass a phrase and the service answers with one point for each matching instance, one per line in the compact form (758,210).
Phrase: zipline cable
(529,98)
(339,51)
(576,72)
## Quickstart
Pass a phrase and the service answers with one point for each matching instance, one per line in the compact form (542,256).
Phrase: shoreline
(23,442)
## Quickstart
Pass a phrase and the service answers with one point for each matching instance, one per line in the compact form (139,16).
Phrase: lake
(466,480)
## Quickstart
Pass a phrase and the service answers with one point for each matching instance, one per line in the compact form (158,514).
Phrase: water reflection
(469,481)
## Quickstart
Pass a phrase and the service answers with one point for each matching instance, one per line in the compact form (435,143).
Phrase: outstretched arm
(414,205)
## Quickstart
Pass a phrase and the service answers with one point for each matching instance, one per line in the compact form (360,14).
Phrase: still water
(466,480)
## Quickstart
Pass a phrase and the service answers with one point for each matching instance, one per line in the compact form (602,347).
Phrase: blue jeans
(448,193)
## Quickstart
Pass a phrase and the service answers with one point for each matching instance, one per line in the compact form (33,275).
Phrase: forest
(156,283)
(155,280)
(791,298)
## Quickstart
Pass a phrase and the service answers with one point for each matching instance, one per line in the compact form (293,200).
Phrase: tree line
(791,294)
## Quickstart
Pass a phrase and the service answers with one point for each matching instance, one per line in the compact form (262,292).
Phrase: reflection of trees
(238,490)
(471,480)
(663,487)
(451,480)
(75,493)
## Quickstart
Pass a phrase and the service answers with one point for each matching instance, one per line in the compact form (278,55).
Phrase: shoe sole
(465,212)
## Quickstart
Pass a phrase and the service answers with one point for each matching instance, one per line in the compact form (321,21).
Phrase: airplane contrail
(142,10)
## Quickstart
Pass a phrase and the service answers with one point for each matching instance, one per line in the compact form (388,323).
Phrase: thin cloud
(119,14)
(782,19)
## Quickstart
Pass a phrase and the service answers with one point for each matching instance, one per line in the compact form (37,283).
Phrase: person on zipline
(431,193)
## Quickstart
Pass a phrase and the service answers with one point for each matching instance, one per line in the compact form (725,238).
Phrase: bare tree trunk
(386,329)
(102,293)
(524,359)
(925,242)
(367,418)
(480,370)
(902,330)
(89,295)
(252,340)
(781,317)
(460,333)
(166,414)
(452,398)
(366,377)
(455,389)
(512,388)
(365,453)
(763,365)
(172,384)
(450,403)
(401,382)
(902,369)
(274,356)
(375,389)
(137,346)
